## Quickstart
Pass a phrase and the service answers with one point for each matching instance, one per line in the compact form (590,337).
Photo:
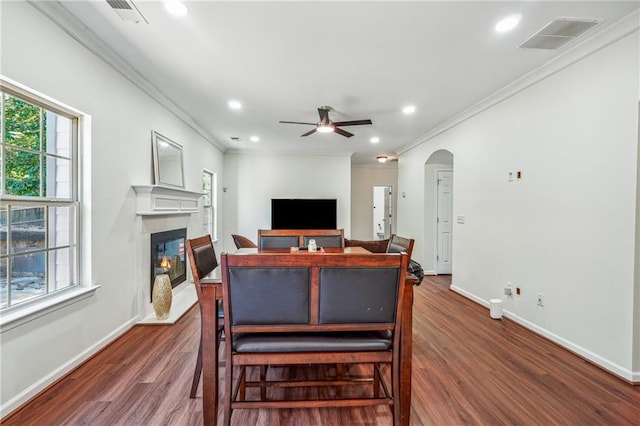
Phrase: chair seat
(312,342)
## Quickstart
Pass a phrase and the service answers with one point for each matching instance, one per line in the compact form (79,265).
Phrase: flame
(164,263)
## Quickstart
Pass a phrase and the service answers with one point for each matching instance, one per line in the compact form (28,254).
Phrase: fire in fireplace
(168,256)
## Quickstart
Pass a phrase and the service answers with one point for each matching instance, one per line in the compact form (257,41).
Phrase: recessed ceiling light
(175,7)
(409,109)
(374,139)
(235,105)
(254,139)
(508,23)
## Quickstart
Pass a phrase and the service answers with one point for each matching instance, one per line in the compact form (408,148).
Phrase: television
(302,213)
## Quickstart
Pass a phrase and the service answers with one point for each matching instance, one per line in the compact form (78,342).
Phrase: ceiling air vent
(127,11)
(559,32)
(234,138)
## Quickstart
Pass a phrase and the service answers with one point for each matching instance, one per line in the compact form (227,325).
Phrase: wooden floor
(468,369)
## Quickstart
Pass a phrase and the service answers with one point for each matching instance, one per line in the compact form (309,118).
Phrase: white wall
(567,229)
(252,180)
(363,179)
(39,55)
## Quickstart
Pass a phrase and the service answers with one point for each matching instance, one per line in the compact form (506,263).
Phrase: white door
(445,217)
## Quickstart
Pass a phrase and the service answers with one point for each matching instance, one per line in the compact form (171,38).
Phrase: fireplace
(168,256)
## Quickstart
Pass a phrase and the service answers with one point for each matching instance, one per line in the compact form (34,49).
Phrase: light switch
(461,219)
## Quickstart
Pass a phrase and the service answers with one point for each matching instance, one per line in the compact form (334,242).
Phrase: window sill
(29,313)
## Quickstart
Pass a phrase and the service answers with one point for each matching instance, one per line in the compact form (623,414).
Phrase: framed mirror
(167,161)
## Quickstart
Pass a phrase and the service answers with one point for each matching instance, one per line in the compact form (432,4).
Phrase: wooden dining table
(211,287)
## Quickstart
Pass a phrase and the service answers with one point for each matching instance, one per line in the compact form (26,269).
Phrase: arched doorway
(438,199)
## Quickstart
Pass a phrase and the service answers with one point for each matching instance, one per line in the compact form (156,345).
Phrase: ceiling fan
(325,125)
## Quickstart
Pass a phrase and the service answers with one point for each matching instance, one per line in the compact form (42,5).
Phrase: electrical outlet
(540,299)
(517,291)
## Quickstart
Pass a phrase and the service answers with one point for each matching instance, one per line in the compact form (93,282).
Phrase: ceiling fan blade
(352,123)
(309,133)
(296,122)
(343,132)
(324,115)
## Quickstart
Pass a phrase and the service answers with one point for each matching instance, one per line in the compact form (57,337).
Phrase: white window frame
(13,316)
(209,212)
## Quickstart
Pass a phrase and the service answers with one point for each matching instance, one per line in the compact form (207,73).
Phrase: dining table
(211,288)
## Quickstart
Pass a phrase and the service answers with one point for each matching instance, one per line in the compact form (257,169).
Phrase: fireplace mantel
(156,200)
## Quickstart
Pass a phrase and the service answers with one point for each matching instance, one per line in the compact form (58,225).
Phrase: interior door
(445,217)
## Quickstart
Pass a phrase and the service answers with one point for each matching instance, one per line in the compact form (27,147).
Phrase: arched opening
(438,225)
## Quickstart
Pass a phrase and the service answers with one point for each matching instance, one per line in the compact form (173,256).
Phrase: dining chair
(242,241)
(398,244)
(202,259)
(341,309)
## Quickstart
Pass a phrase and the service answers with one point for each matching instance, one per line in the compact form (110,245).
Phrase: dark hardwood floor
(467,369)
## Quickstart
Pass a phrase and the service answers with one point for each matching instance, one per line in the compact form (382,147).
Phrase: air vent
(559,32)
(127,11)
(234,139)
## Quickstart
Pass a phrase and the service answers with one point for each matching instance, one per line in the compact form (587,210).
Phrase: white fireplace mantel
(155,200)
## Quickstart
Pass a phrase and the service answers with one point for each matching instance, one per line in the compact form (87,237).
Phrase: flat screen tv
(300,213)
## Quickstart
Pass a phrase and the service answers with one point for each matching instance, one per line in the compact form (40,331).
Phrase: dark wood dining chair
(341,309)
(398,244)
(202,259)
(242,241)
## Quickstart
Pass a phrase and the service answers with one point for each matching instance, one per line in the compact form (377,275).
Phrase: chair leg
(198,372)
(227,399)
(396,408)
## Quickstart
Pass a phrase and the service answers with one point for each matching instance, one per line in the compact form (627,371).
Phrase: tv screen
(287,213)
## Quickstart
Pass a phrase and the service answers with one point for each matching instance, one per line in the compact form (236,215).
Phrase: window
(38,198)
(209,203)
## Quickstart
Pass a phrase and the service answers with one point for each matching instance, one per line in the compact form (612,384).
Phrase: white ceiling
(283,60)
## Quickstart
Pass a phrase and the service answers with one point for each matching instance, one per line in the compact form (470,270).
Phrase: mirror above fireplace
(167,161)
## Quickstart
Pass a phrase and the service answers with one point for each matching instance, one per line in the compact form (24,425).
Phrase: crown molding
(579,51)
(276,152)
(65,20)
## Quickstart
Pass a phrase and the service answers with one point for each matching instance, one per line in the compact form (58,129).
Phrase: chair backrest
(242,241)
(283,238)
(307,292)
(399,244)
(202,259)
(277,241)
(324,240)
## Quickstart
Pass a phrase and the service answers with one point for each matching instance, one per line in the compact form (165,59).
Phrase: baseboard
(430,272)
(613,368)
(25,396)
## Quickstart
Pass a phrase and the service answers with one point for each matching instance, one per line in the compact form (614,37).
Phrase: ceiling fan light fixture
(325,128)
(382,158)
